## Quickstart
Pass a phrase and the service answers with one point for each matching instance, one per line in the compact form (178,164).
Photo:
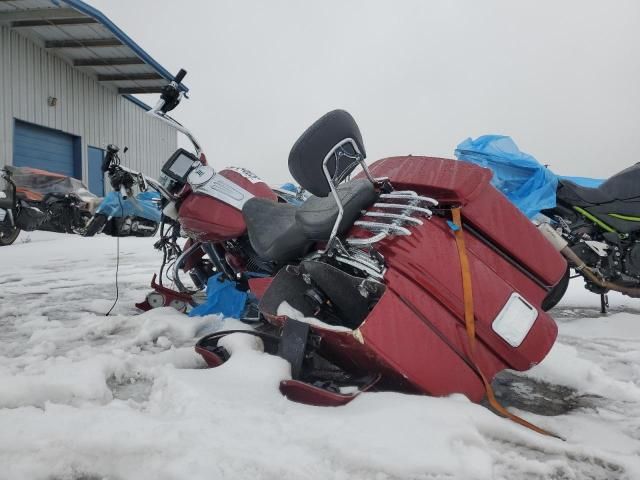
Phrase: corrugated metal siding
(29,75)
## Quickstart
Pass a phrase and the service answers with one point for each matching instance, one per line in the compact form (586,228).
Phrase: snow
(84,396)
(284,309)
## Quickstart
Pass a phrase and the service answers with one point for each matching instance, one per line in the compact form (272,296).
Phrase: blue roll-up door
(96,177)
(46,149)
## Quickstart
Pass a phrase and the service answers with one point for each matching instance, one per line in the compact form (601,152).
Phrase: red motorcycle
(205,206)
(416,275)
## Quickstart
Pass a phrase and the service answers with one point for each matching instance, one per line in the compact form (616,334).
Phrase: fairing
(209,219)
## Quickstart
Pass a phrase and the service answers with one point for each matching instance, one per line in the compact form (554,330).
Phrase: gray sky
(561,77)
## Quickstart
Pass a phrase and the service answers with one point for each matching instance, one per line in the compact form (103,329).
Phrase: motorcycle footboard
(309,394)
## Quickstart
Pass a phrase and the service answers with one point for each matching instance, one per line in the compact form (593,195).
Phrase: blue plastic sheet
(519,176)
(143,205)
(584,181)
(289,187)
(222,298)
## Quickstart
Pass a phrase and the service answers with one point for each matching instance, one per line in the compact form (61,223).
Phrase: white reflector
(515,320)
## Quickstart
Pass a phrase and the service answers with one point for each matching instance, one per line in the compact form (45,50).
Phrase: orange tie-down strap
(469,320)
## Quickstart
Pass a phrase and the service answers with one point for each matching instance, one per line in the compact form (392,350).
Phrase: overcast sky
(561,77)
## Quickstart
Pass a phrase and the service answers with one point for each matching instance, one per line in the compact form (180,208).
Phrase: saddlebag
(414,336)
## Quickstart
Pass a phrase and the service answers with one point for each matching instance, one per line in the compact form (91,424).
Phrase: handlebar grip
(180,76)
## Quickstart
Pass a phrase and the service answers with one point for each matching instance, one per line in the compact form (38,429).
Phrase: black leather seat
(624,185)
(579,195)
(281,232)
(273,231)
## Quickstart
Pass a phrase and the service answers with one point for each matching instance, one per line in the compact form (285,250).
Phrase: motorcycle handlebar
(180,76)
(169,99)
(157,186)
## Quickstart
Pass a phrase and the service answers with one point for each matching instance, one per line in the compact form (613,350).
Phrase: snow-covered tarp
(87,397)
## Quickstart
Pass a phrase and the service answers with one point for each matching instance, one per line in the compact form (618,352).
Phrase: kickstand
(604,303)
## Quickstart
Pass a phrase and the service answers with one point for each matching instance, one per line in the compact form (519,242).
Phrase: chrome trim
(179,261)
(388,227)
(157,112)
(357,242)
(223,189)
(404,218)
(210,249)
(370,270)
(334,192)
(409,195)
(395,216)
(361,260)
(412,208)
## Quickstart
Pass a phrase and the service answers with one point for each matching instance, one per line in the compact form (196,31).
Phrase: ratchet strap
(469,320)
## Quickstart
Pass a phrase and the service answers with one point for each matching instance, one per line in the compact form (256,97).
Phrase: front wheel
(7,237)
(95,225)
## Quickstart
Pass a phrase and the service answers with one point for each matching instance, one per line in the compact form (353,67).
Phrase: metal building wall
(29,75)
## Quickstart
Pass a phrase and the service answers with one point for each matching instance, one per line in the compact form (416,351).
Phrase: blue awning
(84,37)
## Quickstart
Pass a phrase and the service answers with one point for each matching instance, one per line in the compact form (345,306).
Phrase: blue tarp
(584,181)
(520,177)
(143,205)
(222,298)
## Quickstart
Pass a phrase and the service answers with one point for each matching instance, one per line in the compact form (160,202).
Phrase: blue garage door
(96,177)
(47,149)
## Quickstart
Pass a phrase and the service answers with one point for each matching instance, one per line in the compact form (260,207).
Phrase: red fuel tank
(209,219)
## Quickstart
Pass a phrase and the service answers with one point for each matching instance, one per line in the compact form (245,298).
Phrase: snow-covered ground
(84,396)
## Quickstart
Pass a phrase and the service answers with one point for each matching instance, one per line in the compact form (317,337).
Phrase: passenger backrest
(319,141)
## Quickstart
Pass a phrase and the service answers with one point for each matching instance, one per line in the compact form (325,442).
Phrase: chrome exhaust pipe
(562,246)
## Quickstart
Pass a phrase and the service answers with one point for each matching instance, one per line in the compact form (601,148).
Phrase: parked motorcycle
(203,205)
(403,278)
(41,200)
(595,224)
(598,230)
(121,213)
(371,282)
(9,209)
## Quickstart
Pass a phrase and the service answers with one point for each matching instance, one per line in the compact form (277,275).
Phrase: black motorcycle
(598,230)
(9,209)
(38,200)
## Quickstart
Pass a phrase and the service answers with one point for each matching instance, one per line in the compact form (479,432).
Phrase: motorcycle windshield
(33,184)
(520,177)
